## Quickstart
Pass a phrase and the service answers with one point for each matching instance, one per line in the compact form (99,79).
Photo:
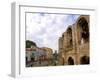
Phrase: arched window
(84,60)
(70,61)
(69,36)
(84,30)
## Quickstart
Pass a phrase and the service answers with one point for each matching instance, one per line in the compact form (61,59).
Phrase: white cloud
(45,29)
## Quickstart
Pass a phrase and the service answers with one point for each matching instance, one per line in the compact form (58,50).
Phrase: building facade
(48,52)
(36,56)
(74,43)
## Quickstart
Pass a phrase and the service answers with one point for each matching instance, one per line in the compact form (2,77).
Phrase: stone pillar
(77,45)
(60,49)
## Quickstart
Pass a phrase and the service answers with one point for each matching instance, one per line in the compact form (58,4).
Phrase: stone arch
(69,36)
(70,61)
(82,30)
(84,60)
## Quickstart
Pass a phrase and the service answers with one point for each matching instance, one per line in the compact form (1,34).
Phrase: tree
(30,43)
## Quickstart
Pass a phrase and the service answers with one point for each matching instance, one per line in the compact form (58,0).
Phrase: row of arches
(82,28)
(75,38)
(83,60)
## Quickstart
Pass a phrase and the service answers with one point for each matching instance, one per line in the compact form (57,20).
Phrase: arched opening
(69,37)
(70,61)
(83,30)
(84,60)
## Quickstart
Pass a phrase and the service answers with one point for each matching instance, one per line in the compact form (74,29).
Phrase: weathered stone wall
(71,44)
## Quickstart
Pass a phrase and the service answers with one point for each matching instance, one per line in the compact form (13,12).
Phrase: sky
(45,28)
